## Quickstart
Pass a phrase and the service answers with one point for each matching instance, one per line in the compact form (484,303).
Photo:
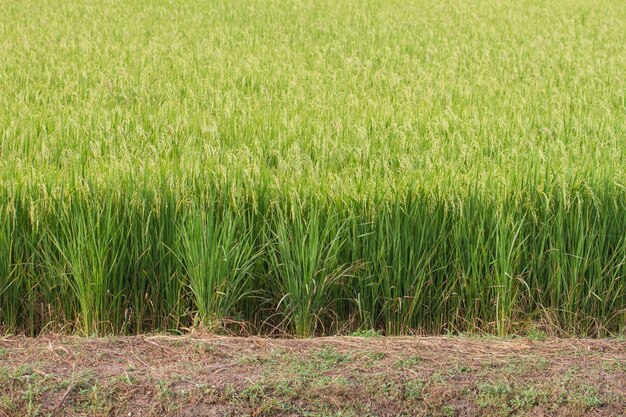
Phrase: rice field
(313,167)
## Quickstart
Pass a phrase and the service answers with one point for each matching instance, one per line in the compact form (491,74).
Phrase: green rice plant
(472,253)
(507,270)
(85,250)
(402,259)
(11,292)
(155,282)
(219,254)
(304,262)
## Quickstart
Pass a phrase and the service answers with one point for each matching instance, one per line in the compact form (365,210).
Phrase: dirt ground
(193,375)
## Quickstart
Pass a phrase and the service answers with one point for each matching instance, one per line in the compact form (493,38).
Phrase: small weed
(32,408)
(459,369)
(203,348)
(448,411)
(437,377)
(163,389)
(590,397)
(330,356)
(7,403)
(377,356)
(414,389)
(528,398)
(494,395)
(366,333)
(408,362)
(536,334)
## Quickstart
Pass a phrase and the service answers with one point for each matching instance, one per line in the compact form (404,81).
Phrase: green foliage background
(311,167)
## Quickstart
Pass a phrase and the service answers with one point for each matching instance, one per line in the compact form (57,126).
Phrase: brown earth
(343,376)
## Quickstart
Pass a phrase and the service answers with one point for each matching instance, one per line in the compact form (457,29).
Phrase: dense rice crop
(312,166)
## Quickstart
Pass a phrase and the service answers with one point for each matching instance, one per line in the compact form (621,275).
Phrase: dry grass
(351,376)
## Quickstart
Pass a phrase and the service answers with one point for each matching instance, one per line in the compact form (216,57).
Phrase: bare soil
(193,375)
